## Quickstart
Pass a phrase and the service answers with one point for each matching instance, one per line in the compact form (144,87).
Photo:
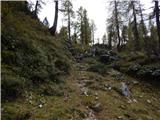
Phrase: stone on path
(148,101)
(125,89)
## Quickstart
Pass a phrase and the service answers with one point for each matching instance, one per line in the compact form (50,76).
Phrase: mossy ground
(75,106)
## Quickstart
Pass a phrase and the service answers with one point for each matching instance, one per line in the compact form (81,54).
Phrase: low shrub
(12,87)
(98,68)
(62,66)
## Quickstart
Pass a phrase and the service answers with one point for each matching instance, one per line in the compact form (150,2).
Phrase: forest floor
(89,96)
(102,95)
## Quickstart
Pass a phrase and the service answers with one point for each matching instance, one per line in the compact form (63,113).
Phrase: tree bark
(69,26)
(135,29)
(143,29)
(157,20)
(36,8)
(110,41)
(117,25)
(54,27)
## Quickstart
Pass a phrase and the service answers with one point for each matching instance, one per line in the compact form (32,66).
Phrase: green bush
(62,66)
(90,60)
(32,54)
(52,90)
(8,57)
(11,87)
(99,68)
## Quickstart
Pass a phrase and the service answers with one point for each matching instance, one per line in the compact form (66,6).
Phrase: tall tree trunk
(36,8)
(85,32)
(135,29)
(93,38)
(143,29)
(117,25)
(69,27)
(157,19)
(82,31)
(110,41)
(54,27)
(75,36)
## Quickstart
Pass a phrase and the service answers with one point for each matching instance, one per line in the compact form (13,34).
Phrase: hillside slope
(41,81)
(30,55)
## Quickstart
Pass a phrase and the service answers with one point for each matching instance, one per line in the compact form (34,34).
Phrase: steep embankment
(30,55)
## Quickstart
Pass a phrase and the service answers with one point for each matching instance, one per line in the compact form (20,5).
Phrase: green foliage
(90,60)
(84,27)
(12,84)
(32,54)
(52,89)
(13,114)
(62,66)
(99,68)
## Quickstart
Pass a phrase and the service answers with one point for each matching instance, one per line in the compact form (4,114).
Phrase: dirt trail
(106,100)
(83,89)
(89,96)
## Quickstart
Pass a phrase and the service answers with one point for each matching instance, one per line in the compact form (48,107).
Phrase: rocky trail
(89,95)
(103,99)
(83,89)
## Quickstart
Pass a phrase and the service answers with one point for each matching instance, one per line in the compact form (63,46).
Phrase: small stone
(85,93)
(149,101)
(135,82)
(96,94)
(96,98)
(30,102)
(123,107)
(119,117)
(97,107)
(40,106)
(129,101)
(109,88)
(30,97)
(134,100)
(125,89)
(155,99)
(141,96)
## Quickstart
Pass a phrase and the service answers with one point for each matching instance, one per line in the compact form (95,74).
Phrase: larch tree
(81,24)
(87,28)
(157,14)
(135,27)
(75,33)
(54,27)
(116,20)
(38,7)
(124,34)
(111,32)
(104,39)
(142,21)
(93,29)
(116,15)
(67,9)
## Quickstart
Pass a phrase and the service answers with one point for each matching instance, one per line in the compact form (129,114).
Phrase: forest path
(102,98)
(88,95)
(81,82)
